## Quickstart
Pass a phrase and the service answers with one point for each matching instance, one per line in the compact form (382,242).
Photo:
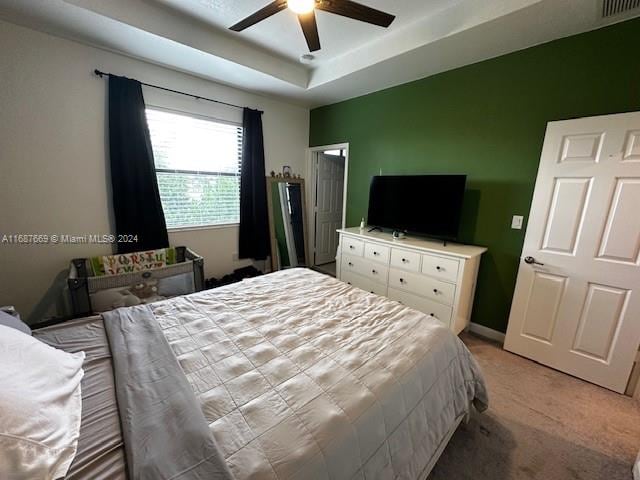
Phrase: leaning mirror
(287,222)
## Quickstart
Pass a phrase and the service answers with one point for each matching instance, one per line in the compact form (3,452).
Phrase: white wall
(53,162)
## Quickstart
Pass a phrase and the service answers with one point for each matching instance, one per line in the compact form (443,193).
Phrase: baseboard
(486,332)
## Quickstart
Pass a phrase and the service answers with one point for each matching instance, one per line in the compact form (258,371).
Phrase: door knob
(532,261)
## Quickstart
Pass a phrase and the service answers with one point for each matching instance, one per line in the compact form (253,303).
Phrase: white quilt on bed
(303,376)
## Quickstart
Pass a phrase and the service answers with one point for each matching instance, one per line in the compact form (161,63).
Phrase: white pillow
(40,407)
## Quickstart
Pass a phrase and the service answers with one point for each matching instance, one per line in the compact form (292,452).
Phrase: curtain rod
(197,97)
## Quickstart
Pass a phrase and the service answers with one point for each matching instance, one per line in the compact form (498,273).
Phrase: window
(198,168)
(339,153)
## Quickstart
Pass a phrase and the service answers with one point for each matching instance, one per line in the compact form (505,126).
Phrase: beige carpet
(541,424)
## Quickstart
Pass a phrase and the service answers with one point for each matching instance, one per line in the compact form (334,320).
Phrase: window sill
(202,227)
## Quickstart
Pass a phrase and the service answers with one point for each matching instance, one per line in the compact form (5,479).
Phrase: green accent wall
(486,120)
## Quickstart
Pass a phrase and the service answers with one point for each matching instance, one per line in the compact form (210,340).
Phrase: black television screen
(428,205)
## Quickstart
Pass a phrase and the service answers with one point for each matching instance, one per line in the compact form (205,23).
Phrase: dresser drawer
(352,246)
(444,268)
(376,252)
(364,283)
(435,309)
(372,270)
(437,290)
(405,259)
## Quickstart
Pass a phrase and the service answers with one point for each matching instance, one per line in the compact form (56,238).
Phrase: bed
(294,374)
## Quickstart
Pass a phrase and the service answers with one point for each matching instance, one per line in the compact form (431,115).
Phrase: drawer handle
(435,290)
(348,283)
(433,315)
(376,253)
(402,280)
(350,264)
(352,247)
(438,268)
(404,260)
(374,271)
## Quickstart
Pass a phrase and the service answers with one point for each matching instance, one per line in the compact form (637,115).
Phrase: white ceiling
(426,38)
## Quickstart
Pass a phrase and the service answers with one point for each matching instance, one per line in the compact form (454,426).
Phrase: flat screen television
(428,205)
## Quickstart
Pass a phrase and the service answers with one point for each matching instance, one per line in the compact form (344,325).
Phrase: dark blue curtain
(254,223)
(136,199)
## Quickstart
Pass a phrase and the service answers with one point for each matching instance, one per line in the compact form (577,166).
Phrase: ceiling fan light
(301,6)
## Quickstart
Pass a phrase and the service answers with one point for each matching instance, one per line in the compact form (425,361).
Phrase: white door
(576,306)
(329,192)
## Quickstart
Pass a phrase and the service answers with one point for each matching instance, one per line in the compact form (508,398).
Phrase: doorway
(329,166)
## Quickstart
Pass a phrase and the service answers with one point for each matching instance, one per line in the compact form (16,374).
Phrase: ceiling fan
(305,9)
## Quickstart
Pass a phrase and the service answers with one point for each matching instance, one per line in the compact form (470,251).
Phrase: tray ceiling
(356,58)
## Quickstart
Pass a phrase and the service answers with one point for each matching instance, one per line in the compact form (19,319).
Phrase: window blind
(197,163)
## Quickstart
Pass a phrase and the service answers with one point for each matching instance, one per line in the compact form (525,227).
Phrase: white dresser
(423,274)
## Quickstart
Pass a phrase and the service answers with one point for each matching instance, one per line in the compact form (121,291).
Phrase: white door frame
(312,154)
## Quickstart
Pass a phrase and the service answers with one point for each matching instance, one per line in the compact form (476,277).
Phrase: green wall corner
(486,120)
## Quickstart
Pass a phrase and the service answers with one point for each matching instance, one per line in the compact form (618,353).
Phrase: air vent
(616,7)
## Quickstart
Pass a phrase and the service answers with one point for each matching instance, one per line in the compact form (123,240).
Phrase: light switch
(516,222)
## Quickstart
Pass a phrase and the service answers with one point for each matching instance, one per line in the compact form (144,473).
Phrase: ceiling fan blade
(263,13)
(357,11)
(310,30)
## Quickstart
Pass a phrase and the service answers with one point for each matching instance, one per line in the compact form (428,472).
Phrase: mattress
(302,376)
(100,454)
